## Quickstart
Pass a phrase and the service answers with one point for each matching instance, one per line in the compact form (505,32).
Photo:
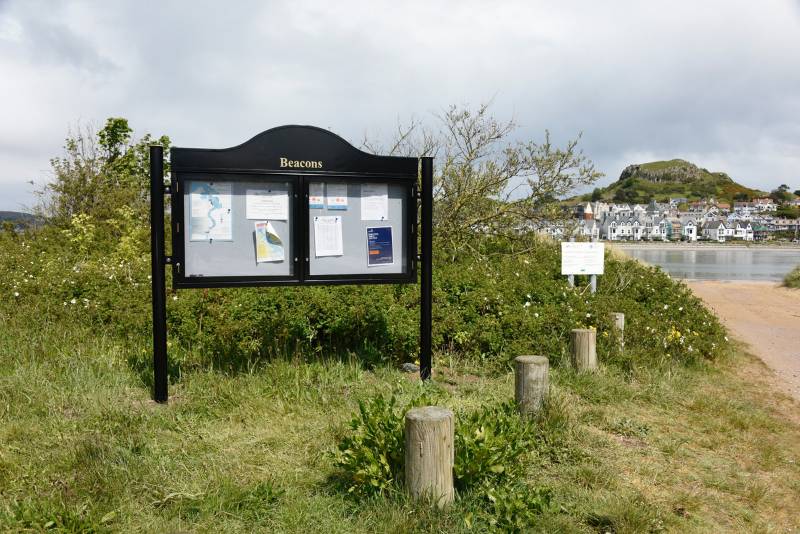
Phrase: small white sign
(267,204)
(316,195)
(337,196)
(582,258)
(374,202)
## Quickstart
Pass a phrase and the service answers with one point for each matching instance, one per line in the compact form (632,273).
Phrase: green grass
(701,449)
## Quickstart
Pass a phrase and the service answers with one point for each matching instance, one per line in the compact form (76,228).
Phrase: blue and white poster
(210,208)
(379,246)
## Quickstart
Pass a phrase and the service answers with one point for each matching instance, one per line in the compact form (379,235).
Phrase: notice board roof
(292,149)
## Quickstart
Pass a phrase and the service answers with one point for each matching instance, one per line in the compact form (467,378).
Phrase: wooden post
(582,345)
(429,454)
(618,323)
(531,383)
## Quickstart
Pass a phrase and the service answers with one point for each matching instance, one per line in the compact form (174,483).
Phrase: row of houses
(663,222)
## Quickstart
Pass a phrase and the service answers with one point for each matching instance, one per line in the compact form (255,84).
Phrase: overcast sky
(714,82)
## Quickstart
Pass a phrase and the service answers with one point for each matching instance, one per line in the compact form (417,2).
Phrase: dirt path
(766,317)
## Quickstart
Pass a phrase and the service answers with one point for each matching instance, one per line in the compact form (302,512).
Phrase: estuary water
(718,263)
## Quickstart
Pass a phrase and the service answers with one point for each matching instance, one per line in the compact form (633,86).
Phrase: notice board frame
(300,154)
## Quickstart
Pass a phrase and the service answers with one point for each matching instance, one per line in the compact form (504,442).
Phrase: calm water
(714,264)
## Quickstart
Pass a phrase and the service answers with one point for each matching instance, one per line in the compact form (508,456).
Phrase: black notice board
(248,216)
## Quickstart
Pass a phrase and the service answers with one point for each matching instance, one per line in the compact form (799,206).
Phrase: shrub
(490,443)
(486,310)
(792,279)
(370,456)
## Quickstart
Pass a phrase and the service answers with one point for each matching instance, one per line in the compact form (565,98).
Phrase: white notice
(337,196)
(582,258)
(328,236)
(316,195)
(265,205)
(374,202)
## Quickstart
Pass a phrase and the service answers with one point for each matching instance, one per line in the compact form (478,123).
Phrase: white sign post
(582,258)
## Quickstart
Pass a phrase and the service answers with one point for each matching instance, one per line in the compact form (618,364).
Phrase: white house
(764,204)
(590,229)
(715,231)
(743,231)
(689,230)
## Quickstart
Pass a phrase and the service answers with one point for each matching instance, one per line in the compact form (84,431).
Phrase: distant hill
(661,180)
(16,216)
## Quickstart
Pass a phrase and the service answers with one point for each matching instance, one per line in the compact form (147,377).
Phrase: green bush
(90,265)
(490,444)
(792,279)
(487,309)
(370,456)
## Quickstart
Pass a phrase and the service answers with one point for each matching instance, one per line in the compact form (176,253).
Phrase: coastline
(666,245)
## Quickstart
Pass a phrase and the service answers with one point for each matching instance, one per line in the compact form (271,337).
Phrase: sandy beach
(763,315)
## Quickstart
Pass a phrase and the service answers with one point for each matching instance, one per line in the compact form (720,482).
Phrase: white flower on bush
(16,293)
(526,305)
(73,301)
(588,315)
(666,306)
(680,309)
(175,297)
(536,315)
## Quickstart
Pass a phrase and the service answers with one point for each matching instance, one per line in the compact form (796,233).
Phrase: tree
(98,174)
(781,194)
(597,194)
(488,186)
(787,212)
(797,192)
(741,197)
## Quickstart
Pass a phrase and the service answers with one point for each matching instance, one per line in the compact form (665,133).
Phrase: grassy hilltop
(660,180)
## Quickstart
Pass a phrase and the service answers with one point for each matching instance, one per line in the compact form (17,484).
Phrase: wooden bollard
(618,323)
(531,383)
(429,454)
(582,345)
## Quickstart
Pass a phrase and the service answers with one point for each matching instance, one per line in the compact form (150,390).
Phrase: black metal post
(157,262)
(426,281)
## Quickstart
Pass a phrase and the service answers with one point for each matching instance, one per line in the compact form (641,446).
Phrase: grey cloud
(716,81)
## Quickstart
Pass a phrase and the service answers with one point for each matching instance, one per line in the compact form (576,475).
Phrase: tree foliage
(487,184)
(100,173)
(781,194)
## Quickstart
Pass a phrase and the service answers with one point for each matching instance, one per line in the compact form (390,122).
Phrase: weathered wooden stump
(583,347)
(429,454)
(618,323)
(531,383)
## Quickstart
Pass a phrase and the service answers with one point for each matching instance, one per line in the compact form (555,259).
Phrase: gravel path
(766,317)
